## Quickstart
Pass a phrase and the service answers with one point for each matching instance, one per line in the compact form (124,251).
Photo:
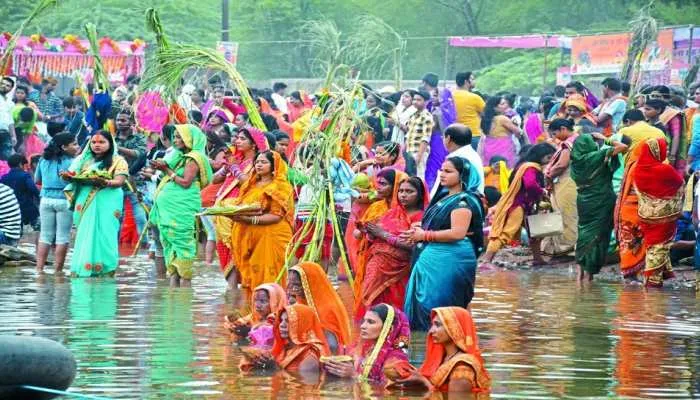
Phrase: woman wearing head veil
(98,204)
(449,242)
(178,198)
(592,170)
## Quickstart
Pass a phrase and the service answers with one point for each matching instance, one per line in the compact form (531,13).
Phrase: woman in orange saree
(299,341)
(268,300)
(308,284)
(260,242)
(660,190)
(388,260)
(628,233)
(249,142)
(453,362)
(387,184)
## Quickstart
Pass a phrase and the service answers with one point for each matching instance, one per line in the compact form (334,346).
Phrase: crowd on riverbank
(433,183)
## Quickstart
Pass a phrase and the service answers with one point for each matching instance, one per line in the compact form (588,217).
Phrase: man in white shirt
(457,139)
(278,96)
(6,106)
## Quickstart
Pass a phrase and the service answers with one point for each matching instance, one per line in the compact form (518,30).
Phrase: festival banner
(229,50)
(512,42)
(606,54)
(682,46)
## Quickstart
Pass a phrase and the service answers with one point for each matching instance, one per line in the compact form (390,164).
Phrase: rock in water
(33,361)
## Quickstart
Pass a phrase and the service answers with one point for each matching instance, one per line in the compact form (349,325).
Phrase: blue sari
(444,273)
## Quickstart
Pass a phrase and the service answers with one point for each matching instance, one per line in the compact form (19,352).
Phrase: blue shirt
(51,183)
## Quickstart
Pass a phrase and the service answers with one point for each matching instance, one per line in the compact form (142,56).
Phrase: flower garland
(72,40)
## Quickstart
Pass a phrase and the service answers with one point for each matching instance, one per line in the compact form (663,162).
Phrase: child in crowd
(25,190)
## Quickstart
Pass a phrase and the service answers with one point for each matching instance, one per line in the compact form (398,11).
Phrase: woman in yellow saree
(260,241)
(178,198)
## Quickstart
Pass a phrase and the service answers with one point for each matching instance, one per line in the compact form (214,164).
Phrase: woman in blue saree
(449,242)
(97,203)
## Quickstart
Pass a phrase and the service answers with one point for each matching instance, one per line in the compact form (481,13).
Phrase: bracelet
(429,236)
(254,220)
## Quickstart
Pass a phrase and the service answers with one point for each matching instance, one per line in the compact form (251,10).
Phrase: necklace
(451,355)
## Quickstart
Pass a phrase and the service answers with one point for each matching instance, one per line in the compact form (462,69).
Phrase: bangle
(254,220)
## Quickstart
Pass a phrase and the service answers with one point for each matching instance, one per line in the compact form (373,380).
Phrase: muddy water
(542,337)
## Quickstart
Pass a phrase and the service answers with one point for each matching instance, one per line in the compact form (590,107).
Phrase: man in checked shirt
(418,130)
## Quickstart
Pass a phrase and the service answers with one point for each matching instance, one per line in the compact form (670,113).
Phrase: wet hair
(107,158)
(492,195)
(54,150)
(460,134)
(633,115)
(417,184)
(16,161)
(657,104)
(489,113)
(539,152)
(279,86)
(382,310)
(431,79)
(270,157)
(561,123)
(612,84)
(462,78)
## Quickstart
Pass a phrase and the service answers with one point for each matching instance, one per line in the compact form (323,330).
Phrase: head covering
(324,300)
(278,299)
(653,176)
(223,113)
(196,142)
(394,337)
(259,139)
(578,101)
(448,110)
(305,332)
(99,110)
(461,329)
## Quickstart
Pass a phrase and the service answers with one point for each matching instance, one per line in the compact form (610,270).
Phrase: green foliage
(255,23)
(522,72)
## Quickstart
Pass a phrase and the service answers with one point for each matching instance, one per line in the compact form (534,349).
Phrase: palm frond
(154,25)
(101,79)
(40,7)
(173,63)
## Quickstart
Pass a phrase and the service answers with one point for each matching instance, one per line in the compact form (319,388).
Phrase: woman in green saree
(177,199)
(592,169)
(97,205)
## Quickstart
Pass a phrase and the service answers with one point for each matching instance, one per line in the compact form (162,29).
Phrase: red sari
(660,191)
(388,267)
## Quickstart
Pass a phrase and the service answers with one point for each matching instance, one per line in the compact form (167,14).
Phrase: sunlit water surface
(542,336)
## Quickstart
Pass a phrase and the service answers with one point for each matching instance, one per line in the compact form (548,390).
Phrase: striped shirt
(420,127)
(10,217)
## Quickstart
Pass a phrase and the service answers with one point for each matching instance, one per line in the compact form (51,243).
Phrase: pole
(544,71)
(444,66)
(690,46)
(224,20)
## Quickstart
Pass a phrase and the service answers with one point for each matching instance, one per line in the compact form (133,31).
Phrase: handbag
(545,224)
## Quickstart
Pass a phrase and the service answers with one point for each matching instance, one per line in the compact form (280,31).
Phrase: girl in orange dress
(308,284)
(453,362)
(299,340)
(260,242)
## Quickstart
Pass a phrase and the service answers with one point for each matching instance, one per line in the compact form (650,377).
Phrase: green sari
(96,213)
(592,169)
(174,207)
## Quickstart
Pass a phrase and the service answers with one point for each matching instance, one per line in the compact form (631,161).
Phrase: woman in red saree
(387,184)
(453,362)
(388,260)
(660,192)
(299,341)
(628,233)
(249,142)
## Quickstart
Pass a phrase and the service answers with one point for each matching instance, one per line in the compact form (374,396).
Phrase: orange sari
(258,251)
(306,339)
(466,364)
(373,214)
(627,230)
(324,300)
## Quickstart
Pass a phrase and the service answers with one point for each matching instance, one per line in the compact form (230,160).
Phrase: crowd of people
(437,182)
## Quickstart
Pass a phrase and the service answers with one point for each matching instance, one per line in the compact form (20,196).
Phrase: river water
(542,335)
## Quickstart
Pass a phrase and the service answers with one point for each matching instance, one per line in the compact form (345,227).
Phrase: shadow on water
(542,337)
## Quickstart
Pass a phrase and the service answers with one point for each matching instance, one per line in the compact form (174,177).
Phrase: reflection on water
(542,337)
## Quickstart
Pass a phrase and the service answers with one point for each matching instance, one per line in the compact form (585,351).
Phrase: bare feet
(174,280)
